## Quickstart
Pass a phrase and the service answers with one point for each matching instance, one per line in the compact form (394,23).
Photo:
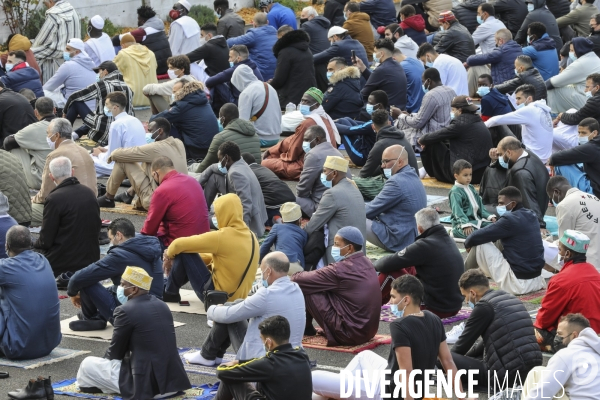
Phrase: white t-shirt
(453,73)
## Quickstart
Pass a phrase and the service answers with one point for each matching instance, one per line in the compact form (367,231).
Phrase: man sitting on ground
(232,175)
(492,101)
(71,223)
(437,262)
(526,74)
(31,328)
(236,323)
(288,237)
(310,189)
(143,342)
(509,348)
(125,131)
(573,211)
(20,75)
(271,372)
(133,163)
(578,281)
(391,215)
(98,303)
(178,207)
(578,357)
(518,266)
(344,296)
(30,145)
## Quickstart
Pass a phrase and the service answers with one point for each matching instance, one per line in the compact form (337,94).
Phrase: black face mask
(558,344)
(303,20)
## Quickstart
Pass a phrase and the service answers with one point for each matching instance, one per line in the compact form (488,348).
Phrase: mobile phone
(353,55)
(184,303)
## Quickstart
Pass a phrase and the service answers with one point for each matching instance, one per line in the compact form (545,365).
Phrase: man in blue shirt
(277,14)
(29,305)
(413,69)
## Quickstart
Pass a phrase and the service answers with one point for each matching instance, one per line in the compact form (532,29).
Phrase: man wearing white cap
(99,46)
(75,73)
(184,34)
(62,23)
(142,361)
(342,45)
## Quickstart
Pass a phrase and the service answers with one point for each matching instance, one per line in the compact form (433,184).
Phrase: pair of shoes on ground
(35,389)
(84,325)
(196,358)
(62,281)
(123,197)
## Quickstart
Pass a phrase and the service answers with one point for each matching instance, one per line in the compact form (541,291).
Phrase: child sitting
(288,237)
(467,208)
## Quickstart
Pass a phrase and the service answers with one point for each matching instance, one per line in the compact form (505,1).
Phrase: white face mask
(51,144)
(171,74)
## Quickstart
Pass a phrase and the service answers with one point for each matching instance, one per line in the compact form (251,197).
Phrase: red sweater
(575,289)
(177,209)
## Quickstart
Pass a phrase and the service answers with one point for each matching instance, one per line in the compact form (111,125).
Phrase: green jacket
(579,19)
(13,185)
(241,132)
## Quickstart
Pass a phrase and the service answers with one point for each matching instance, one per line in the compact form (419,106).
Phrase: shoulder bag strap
(247,267)
(264,106)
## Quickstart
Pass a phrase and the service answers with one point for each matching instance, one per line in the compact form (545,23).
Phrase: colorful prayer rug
(551,223)
(387,316)
(68,387)
(201,369)
(533,297)
(320,343)
(57,355)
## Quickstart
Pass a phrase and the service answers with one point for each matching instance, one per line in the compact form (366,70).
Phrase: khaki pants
(37,214)
(295,267)
(473,74)
(531,385)
(33,176)
(159,102)
(140,182)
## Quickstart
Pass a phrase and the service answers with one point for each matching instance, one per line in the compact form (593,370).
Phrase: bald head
(395,158)
(275,265)
(18,239)
(510,149)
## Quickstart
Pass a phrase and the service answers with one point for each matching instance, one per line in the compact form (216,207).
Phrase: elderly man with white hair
(99,46)
(71,223)
(75,73)
(436,261)
(59,139)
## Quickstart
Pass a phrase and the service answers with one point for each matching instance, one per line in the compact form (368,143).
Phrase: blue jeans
(576,176)
(98,302)
(188,267)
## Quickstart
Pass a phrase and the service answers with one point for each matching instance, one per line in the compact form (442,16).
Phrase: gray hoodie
(75,75)
(252,99)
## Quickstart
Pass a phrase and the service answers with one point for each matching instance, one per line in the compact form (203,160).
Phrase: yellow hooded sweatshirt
(228,249)
(138,66)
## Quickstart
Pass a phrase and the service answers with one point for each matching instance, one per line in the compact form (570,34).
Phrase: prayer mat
(196,305)
(57,355)
(62,297)
(201,369)
(122,208)
(375,253)
(464,313)
(319,342)
(533,297)
(550,221)
(68,387)
(431,200)
(105,334)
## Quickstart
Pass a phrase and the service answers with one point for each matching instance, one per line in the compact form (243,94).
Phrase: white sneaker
(209,322)
(454,334)
(196,358)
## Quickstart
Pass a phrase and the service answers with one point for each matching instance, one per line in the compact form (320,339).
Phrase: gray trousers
(159,102)
(372,237)
(37,214)
(213,183)
(221,336)
(237,390)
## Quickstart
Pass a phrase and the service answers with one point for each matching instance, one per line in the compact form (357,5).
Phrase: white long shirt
(453,73)
(125,131)
(484,35)
(184,35)
(100,49)
(536,124)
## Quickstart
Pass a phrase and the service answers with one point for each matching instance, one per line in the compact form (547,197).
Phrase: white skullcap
(97,22)
(336,30)
(76,44)
(186,4)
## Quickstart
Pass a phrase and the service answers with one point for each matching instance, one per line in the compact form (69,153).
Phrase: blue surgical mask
(324,180)
(589,94)
(305,109)
(369,108)
(335,253)
(221,167)
(230,64)
(530,7)
(107,112)
(583,139)
(66,56)
(387,172)
(8,67)
(519,106)
(149,138)
(572,56)
(425,90)
(172,98)
(471,304)
(429,64)
(529,39)
(215,222)
(395,311)
(479,20)
(306,147)
(345,17)
(442,29)
(264,281)
(98,77)
(501,210)
(516,71)
(375,58)
(503,164)
(451,115)
(121,295)
(329,75)
(483,90)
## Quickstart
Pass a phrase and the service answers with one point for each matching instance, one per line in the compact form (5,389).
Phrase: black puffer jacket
(531,77)
(295,70)
(466,13)
(543,15)
(386,137)
(595,38)
(158,43)
(559,8)
(317,29)
(14,186)
(469,140)
(334,11)
(591,109)
(511,12)
(456,42)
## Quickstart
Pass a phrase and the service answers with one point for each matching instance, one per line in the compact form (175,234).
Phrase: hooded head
(582,46)
(19,42)
(242,77)
(229,212)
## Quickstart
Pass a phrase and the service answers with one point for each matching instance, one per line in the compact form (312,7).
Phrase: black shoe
(87,325)
(91,389)
(170,297)
(124,198)
(63,280)
(103,238)
(310,330)
(47,387)
(33,390)
(126,183)
(106,203)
